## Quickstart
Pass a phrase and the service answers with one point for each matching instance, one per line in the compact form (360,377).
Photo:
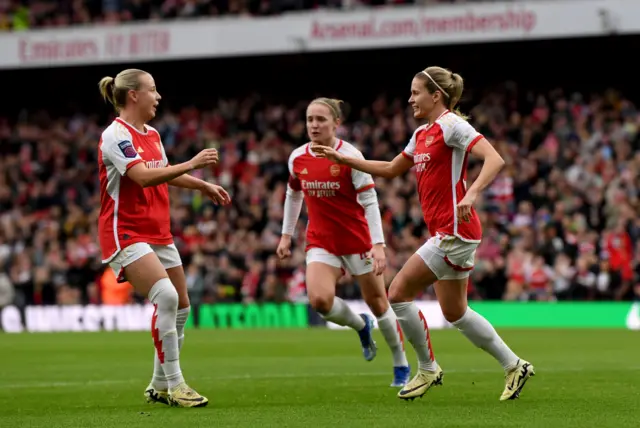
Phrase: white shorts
(168,255)
(448,257)
(355,264)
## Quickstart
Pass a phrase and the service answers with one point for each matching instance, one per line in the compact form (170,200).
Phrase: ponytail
(107,89)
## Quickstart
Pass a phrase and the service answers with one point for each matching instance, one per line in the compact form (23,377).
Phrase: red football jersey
(128,212)
(336,219)
(439,153)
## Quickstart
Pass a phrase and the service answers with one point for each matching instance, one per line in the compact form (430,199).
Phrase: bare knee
(322,303)
(377,304)
(453,313)
(397,291)
(321,286)
(183,301)
(374,293)
(414,277)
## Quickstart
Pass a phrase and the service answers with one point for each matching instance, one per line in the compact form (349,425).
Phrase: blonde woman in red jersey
(134,223)
(438,152)
(344,231)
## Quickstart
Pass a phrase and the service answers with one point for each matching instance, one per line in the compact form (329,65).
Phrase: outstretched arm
(398,166)
(118,150)
(147,177)
(214,192)
(188,182)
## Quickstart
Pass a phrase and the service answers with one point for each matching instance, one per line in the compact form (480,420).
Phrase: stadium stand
(27,14)
(559,221)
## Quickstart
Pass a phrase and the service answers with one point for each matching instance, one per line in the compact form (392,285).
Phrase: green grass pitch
(317,378)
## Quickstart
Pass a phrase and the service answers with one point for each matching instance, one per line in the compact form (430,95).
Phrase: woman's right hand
(205,158)
(327,152)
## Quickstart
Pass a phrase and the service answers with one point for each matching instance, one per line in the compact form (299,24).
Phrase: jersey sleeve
(165,160)
(294,181)
(462,136)
(361,180)
(410,149)
(117,148)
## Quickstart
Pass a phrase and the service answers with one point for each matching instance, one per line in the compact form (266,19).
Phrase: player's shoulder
(450,120)
(349,149)
(115,133)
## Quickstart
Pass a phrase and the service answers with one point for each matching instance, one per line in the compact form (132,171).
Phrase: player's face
(321,126)
(421,100)
(147,97)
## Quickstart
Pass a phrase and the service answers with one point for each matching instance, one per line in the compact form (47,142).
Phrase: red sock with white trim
(415,328)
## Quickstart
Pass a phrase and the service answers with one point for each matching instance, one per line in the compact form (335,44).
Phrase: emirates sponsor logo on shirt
(420,161)
(320,189)
(154,164)
(421,157)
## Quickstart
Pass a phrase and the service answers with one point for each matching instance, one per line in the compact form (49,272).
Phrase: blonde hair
(115,90)
(450,84)
(333,104)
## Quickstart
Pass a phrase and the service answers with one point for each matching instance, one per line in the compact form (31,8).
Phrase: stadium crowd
(26,14)
(560,221)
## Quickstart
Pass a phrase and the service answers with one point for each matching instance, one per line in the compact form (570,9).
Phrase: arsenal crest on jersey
(334,170)
(428,141)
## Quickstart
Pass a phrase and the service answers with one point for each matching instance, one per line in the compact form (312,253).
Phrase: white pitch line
(263,376)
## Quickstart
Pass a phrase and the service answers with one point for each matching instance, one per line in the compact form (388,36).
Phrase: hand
(284,247)
(379,259)
(204,158)
(464,207)
(327,152)
(217,194)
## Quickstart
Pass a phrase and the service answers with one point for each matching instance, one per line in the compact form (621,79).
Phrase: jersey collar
(429,125)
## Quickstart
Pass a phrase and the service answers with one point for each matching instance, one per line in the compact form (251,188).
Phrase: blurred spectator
(24,14)
(560,221)
(112,292)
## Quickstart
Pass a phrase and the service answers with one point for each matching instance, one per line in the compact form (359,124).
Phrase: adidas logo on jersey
(140,150)
(304,171)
